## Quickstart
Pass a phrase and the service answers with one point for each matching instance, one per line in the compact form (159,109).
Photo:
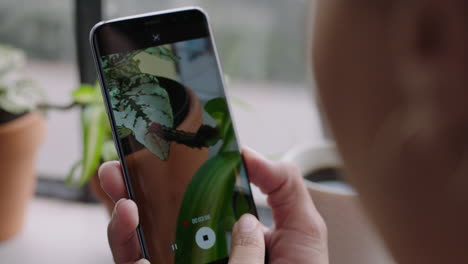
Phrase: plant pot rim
(194,105)
(313,155)
(7,117)
(20,122)
(184,100)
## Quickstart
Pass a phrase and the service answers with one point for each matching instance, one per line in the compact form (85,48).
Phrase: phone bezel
(151,19)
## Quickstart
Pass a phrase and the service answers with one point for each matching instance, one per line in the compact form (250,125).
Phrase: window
(261,43)
(45,30)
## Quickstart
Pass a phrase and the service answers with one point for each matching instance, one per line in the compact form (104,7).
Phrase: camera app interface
(181,155)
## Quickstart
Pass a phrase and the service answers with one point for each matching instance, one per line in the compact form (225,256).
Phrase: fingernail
(114,212)
(253,153)
(108,163)
(142,261)
(100,170)
(249,150)
(247,223)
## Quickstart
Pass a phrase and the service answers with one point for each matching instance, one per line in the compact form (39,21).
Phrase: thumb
(248,242)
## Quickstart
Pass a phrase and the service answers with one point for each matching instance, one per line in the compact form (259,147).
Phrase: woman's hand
(298,236)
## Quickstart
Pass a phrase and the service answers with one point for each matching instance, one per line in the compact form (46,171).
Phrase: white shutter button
(205,238)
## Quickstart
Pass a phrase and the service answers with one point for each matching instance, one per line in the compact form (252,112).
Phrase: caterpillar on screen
(200,139)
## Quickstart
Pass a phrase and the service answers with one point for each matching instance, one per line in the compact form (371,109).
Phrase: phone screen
(166,101)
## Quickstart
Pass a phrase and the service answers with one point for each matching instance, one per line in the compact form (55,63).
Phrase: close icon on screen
(156,37)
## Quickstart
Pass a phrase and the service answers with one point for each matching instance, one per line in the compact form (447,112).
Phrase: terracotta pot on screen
(19,142)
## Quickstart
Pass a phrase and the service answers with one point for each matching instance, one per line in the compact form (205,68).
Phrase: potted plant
(22,130)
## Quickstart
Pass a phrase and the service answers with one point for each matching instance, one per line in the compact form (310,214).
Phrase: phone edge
(110,117)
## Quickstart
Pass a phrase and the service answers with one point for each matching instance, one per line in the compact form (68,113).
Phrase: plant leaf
(93,120)
(87,94)
(138,100)
(73,172)
(17,93)
(12,60)
(218,109)
(228,139)
(108,151)
(117,66)
(19,96)
(163,52)
(151,141)
(123,131)
(138,108)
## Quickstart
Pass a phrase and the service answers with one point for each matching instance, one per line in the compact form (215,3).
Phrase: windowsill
(60,232)
(66,232)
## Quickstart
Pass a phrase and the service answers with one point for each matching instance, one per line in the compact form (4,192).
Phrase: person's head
(393,81)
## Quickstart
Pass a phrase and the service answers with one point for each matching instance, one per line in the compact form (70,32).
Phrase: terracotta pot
(352,238)
(19,142)
(159,186)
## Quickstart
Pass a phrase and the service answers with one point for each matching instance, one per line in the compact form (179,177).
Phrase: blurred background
(262,46)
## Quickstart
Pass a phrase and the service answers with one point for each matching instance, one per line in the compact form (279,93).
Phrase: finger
(267,234)
(248,244)
(123,239)
(112,181)
(287,194)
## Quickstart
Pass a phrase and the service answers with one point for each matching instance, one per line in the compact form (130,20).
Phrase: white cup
(351,236)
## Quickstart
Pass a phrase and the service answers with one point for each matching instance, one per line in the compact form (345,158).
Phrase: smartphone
(163,89)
